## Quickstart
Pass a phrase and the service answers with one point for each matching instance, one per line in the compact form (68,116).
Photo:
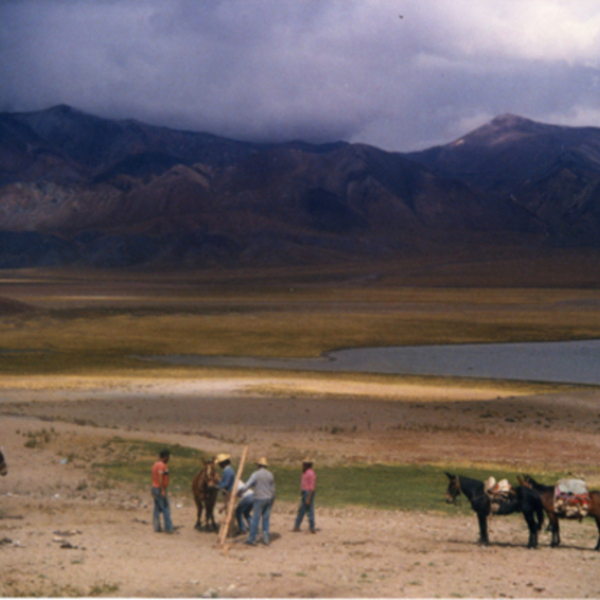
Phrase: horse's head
(526,481)
(453,488)
(3,466)
(212,476)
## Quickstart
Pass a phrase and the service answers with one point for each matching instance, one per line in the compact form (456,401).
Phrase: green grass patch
(131,462)
(402,487)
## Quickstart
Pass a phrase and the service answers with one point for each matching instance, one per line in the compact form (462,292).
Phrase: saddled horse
(520,499)
(205,494)
(3,465)
(547,495)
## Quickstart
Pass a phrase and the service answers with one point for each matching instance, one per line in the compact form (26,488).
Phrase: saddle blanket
(572,498)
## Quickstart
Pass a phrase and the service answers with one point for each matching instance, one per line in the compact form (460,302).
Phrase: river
(561,362)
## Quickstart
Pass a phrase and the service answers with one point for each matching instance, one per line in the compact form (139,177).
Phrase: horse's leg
(215,525)
(533,528)
(598,526)
(210,515)
(197,525)
(555,530)
(199,521)
(483,533)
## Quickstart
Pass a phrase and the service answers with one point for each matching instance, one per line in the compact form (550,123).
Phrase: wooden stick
(231,504)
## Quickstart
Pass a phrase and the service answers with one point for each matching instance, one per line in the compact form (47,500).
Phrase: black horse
(3,466)
(520,499)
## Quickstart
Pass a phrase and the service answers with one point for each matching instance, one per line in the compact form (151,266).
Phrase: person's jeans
(310,509)
(260,508)
(161,505)
(242,512)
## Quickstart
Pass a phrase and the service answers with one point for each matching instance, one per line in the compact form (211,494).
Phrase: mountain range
(83,190)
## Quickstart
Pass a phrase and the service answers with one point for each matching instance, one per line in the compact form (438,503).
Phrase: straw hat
(262,462)
(222,458)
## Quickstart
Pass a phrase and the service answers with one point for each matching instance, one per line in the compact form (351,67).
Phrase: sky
(402,75)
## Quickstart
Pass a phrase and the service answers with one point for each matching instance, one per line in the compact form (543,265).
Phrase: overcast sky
(398,74)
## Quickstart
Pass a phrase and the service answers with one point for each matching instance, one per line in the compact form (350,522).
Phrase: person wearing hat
(263,483)
(307,491)
(228,477)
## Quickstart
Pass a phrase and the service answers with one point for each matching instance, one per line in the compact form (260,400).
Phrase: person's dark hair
(165,453)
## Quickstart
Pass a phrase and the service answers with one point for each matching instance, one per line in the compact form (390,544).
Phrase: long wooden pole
(231,504)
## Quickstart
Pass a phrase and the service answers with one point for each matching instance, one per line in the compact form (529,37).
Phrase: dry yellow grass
(105,320)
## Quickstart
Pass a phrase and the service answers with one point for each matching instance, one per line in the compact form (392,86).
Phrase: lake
(561,362)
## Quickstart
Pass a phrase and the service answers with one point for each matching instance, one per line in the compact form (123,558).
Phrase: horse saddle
(572,498)
(498,492)
(494,488)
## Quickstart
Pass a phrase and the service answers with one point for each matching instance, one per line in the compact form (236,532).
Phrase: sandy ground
(61,533)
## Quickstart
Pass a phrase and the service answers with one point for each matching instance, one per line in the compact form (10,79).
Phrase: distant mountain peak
(63,108)
(503,129)
(509,120)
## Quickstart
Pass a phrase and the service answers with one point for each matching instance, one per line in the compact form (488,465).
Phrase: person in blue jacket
(228,477)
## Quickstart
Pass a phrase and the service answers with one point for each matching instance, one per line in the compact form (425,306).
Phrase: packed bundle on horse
(500,493)
(572,498)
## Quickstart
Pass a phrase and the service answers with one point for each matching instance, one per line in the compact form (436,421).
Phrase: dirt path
(356,552)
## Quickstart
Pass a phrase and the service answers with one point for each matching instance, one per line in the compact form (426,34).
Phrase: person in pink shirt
(307,490)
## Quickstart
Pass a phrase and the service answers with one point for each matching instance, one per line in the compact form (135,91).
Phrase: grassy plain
(100,321)
(97,324)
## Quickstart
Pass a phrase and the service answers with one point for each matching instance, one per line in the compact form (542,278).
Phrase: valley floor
(63,533)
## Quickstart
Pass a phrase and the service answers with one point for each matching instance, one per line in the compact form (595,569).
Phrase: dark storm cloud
(398,74)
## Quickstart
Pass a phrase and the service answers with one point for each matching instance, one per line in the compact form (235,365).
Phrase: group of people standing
(256,496)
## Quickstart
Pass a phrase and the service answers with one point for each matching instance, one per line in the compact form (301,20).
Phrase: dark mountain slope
(508,151)
(24,156)
(117,193)
(551,171)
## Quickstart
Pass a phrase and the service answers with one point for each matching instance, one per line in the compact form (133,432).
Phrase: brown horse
(3,466)
(205,494)
(547,495)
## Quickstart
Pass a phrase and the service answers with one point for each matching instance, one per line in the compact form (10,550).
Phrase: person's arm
(250,483)
(162,478)
(309,496)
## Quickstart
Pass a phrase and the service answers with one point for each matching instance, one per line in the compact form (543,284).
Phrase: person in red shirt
(160,482)
(307,490)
